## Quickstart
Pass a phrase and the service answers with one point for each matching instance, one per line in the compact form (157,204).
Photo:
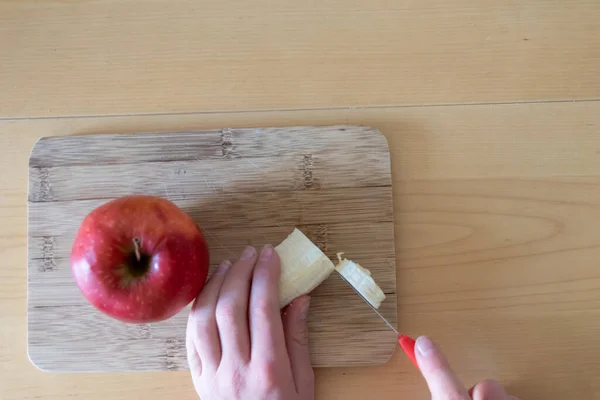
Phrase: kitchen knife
(406,343)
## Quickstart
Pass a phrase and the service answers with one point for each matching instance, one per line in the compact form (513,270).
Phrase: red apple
(139,259)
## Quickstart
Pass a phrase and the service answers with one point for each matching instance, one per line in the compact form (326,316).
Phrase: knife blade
(407,344)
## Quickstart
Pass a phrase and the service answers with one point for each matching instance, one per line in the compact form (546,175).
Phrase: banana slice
(360,278)
(303,267)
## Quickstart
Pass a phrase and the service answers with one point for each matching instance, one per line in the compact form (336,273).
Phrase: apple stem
(136,247)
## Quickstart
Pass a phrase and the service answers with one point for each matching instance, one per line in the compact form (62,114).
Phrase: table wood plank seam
(260,111)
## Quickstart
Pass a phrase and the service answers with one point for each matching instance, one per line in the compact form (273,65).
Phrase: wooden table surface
(492,112)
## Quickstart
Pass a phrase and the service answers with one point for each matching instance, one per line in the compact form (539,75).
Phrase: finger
(232,309)
(296,338)
(194,363)
(489,390)
(442,381)
(192,357)
(202,335)
(266,328)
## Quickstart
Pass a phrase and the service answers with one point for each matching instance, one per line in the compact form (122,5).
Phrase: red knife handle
(408,345)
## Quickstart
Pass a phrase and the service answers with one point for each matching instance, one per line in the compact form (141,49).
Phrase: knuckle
(200,329)
(262,309)
(300,337)
(231,384)
(226,311)
(267,377)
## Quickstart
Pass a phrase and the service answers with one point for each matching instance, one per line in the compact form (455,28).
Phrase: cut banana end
(303,267)
(360,278)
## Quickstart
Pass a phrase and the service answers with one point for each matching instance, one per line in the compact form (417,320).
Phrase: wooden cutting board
(243,187)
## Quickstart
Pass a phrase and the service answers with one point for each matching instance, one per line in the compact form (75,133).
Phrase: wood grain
(328,206)
(243,186)
(193,179)
(496,236)
(108,57)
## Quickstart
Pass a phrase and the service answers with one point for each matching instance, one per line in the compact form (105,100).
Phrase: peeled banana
(304,267)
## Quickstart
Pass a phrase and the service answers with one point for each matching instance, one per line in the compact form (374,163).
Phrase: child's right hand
(443,382)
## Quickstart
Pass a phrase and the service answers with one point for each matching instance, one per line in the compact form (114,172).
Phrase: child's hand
(238,344)
(443,382)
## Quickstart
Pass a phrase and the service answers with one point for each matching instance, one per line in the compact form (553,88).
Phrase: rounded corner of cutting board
(384,359)
(35,148)
(38,363)
(377,132)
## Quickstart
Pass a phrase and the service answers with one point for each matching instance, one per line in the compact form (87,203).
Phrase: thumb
(442,381)
(296,340)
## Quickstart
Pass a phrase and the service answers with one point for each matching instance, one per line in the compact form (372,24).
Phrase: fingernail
(248,253)
(425,345)
(223,267)
(304,308)
(266,253)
